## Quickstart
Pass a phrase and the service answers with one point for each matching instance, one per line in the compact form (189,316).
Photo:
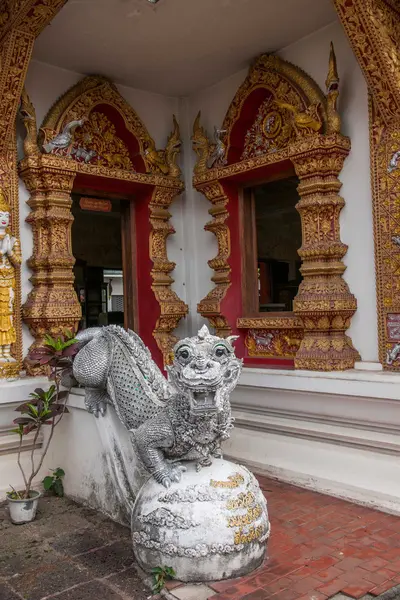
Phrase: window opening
(278,238)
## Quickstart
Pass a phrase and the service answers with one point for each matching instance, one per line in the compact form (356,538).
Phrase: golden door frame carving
(324,304)
(21,23)
(373,29)
(52,304)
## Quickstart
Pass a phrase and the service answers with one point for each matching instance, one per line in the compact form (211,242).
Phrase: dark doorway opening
(278,231)
(98,251)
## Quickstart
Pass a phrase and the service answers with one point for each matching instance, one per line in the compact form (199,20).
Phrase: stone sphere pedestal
(211,525)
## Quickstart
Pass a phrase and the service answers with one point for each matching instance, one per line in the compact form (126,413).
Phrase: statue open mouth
(203,401)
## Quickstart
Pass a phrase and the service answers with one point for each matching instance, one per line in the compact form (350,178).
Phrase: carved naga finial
(154,159)
(28,114)
(172,150)
(201,145)
(332,89)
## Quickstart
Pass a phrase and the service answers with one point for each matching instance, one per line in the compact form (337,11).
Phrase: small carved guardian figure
(10,260)
(218,155)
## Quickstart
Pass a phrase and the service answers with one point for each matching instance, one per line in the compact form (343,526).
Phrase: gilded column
(324,302)
(172,308)
(52,305)
(210,306)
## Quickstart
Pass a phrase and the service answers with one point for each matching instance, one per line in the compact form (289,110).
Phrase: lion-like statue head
(206,370)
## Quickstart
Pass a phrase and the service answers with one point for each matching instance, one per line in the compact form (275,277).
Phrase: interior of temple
(97,248)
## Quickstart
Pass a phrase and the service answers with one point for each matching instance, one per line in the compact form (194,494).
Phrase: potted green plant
(44,408)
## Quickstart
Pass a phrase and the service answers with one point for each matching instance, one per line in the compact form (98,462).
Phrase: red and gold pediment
(276,103)
(276,106)
(93,124)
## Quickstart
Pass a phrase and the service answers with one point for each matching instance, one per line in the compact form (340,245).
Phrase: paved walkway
(68,553)
(320,547)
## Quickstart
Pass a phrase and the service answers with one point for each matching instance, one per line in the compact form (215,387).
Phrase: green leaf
(48,482)
(59,472)
(58,488)
(19,430)
(45,413)
(69,343)
(157,570)
(32,409)
(49,341)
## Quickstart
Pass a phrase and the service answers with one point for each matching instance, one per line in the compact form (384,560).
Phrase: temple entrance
(98,250)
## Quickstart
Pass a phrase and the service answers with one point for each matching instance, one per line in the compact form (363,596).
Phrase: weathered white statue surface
(207,518)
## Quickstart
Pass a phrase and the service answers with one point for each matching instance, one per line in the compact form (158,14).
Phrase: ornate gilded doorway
(93,143)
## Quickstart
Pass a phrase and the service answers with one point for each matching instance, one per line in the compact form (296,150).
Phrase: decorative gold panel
(272,336)
(373,28)
(21,21)
(385,143)
(28,16)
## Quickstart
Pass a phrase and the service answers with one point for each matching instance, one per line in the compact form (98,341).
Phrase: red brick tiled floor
(320,546)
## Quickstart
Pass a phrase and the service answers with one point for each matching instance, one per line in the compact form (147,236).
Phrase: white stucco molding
(368,383)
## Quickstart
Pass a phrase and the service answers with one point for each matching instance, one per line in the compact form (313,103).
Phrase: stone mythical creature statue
(218,155)
(184,417)
(394,162)
(65,139)
(392,354)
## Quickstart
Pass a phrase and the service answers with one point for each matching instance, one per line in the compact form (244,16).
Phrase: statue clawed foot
(96,402)
(204,462)
(217,453)
(169,473)
(99,409)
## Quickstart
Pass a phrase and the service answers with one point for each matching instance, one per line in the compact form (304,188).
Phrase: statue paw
(204,462)
(96,409)
(176,471)
(170,474)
